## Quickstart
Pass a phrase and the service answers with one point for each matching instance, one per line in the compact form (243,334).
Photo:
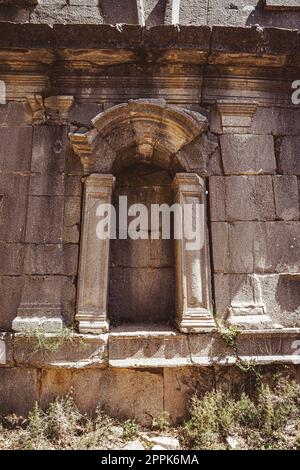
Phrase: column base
(93,326)
(49,325)
(203,324)
(251,322)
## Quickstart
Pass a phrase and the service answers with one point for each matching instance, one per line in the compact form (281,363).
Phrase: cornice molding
(236,113)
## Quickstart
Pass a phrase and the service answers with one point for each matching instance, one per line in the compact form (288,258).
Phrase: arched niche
(154,135)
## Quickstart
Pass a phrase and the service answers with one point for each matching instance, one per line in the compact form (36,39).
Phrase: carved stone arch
(149,132)
(152,131)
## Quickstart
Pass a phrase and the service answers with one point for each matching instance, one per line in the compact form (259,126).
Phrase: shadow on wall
(154,12)
(119,12)
(288,293)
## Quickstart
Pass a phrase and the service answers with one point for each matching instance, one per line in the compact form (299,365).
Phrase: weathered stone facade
(165,112)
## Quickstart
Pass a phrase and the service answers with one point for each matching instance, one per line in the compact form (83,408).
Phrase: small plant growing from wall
(44,342)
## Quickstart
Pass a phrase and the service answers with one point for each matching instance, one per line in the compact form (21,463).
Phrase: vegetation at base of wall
(269,419)
(229,334)
(161,422)
(44,342)
(61,426)
(130,429)
(266,418)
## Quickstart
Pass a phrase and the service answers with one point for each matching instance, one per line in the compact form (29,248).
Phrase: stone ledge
(82,352)
(155,349)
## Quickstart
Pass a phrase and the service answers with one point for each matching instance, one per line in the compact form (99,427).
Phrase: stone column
(193,293)
(94,258)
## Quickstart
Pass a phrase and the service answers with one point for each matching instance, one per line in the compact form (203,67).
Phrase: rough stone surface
(246,247)
(289,158)
(51,259)
(42,229)
(134,445)
(75,352)
(10,297)
(248,154)
(18,390)
(234,198)
(180,384)
(15,150)
(286,197)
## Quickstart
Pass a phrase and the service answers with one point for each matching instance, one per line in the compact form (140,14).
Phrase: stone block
(49,147)
(238,294)
(83,113)
(180,384)
(12,256)
(132,290)
(187,13)
(15,151)
(14,184)
(14,114)
(248,154)
(286,197)
(267,120)
(270,347)
(232,247)
(281,297)
(10,297)
(14,14)
(258,295)
(277,247)
(88,399)
(142,253)
(276,120)
(214,164)
(223,13)
(73,162)
(230,379)
(55,384)
(234,198)
(144,348)
(132,393)
(122,393)
(72,218)
(6,350)
(12,218)
(51,259)
(78,351)
(47,184)
(73,185)
(208,349)
(289,156)
(55,14)
(155,12)
(45,219)
(48,297)
(245,247)
(120,12)
(19,390)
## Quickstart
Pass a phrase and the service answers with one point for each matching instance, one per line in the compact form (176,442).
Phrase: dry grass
(268,419)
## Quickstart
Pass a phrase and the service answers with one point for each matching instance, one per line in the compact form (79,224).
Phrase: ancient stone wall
(238,93)
(273,13)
